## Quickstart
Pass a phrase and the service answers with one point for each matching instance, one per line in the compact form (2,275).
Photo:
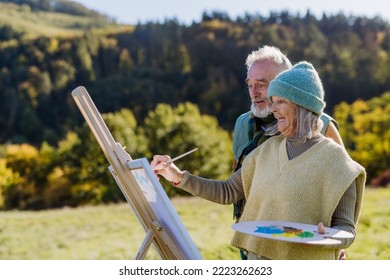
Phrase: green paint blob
(306,234)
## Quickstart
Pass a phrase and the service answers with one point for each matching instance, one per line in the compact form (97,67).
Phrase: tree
(174,131)
(29,170)
(83,165)
(8,180)
(365,128)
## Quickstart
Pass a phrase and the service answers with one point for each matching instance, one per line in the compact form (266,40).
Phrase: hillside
(31,23)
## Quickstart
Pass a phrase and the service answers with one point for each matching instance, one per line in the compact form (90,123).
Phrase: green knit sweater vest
(305,189)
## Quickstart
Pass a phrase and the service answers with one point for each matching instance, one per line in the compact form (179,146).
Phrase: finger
(160,167)
(321,228)
(156,160)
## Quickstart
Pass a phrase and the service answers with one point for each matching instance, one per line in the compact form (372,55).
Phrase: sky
(187,11)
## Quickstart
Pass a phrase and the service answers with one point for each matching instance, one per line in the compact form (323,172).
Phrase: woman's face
(285,113)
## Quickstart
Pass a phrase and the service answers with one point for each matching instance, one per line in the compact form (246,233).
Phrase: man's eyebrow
(257,80)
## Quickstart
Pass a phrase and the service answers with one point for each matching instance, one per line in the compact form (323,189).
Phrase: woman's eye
(279,102)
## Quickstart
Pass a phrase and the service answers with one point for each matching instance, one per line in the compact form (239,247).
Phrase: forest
(166,88)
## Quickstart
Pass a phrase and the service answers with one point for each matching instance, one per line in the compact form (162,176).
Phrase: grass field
(112,232)
(49,24)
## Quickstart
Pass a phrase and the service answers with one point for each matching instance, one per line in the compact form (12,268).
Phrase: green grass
(373,231)
(50,24)
(113,232)
(108,232)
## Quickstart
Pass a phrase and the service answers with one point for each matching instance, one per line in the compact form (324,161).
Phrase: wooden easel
(163,228)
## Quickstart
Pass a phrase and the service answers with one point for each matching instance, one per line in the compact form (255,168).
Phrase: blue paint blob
(269,230)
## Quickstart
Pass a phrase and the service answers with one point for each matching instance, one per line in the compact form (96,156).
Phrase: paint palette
(292,232)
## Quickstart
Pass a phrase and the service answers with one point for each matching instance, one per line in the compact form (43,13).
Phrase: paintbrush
(182,155)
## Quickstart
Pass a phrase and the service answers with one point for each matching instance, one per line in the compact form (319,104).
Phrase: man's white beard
(260,113)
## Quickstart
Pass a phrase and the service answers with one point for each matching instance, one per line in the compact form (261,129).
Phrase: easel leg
(145,245)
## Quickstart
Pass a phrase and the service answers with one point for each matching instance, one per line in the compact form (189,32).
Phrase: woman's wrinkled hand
(162,165)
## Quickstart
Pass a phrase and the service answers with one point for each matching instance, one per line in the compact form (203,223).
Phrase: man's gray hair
(269,52)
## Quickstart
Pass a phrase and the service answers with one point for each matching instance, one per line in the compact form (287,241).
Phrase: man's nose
(253,91)
(258,92)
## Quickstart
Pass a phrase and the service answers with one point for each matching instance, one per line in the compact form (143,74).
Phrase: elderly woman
(305,177)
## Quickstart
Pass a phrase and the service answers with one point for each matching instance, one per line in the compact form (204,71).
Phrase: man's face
(259,76)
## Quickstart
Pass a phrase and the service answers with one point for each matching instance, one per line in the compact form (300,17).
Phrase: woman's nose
(273,107)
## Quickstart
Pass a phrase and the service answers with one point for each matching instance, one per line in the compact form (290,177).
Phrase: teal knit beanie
(301,85)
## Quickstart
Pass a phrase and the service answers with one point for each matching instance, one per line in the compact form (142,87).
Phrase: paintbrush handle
(183,155)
